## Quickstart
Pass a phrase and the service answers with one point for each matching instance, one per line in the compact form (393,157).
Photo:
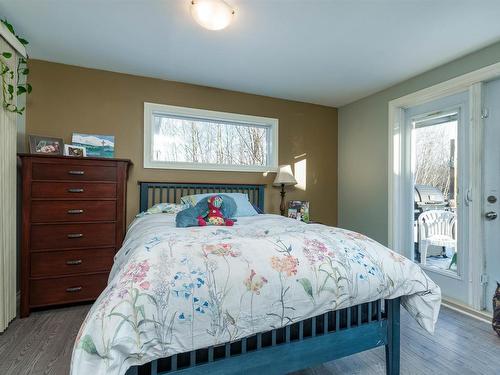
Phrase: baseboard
(484,316)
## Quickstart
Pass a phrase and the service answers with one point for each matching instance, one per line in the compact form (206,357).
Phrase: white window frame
(152,108)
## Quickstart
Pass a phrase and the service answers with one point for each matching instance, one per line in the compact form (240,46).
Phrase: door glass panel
(434,165)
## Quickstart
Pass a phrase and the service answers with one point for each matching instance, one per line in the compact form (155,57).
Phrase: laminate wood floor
(42,344)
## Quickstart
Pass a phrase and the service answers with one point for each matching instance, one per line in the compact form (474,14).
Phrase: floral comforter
(174,290)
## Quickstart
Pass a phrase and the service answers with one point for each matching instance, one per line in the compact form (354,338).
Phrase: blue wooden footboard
(300,345)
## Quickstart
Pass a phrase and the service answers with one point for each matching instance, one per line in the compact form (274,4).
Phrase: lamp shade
(284,176)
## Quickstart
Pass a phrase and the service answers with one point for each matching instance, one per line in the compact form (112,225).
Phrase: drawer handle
(75,235)
(75,190)
(75,262)
(77,173)
(74,289)
(75,212)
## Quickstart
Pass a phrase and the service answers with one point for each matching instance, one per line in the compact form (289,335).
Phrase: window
(435,164)
(187,138)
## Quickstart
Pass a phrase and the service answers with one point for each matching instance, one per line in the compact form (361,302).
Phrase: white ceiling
(328,52)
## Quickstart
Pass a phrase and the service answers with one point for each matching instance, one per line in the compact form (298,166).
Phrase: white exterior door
(491,195)
(437,144)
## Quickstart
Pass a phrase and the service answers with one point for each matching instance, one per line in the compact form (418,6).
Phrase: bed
(270,295)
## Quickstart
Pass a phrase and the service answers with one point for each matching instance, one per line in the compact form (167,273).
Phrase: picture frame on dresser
(75,151)
(73,222)
(46,145)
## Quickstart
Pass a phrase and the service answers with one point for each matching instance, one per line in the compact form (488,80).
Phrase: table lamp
(284,178)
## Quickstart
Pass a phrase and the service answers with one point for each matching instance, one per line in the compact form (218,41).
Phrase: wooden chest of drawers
(73,224)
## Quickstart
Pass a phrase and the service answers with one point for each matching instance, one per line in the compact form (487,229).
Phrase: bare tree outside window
(435,156)
(209,142)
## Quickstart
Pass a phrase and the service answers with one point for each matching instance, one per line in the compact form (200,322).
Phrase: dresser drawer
(70,262)
(53,211)
(42,171)
(74,190)
(67,289)
(60,236)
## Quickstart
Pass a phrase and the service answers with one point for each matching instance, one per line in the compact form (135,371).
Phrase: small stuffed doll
(214,216)
(190,217)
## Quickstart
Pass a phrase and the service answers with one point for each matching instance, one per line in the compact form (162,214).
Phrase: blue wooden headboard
(152,193)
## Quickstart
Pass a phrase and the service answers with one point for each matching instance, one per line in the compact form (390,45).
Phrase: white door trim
(398,173)
(476,236)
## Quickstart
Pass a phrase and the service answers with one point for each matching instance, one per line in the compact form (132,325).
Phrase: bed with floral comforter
(173,290)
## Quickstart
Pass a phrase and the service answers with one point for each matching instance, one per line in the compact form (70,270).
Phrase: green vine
(8,89)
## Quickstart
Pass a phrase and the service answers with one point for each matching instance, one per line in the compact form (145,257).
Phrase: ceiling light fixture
(212,14)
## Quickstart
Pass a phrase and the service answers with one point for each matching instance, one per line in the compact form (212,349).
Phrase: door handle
(490,215)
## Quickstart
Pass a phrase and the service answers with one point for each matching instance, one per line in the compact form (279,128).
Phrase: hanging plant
(8,75)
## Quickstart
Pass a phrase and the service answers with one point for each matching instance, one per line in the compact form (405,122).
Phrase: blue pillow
(243,205)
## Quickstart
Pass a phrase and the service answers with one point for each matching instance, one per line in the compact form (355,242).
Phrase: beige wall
(67,99)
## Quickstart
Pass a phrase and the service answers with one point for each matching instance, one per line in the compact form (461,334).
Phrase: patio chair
(436,228)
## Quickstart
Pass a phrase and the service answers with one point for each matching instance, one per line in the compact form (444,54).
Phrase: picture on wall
(96,145)
(299,210)
(46,145)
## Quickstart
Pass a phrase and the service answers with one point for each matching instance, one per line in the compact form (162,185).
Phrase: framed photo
(299,210)
(77,151)
(95,145)
(46,145)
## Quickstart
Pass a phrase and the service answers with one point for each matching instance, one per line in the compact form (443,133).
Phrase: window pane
(435,193)
(177,139)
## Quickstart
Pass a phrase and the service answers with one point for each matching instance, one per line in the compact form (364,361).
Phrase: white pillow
(165,208)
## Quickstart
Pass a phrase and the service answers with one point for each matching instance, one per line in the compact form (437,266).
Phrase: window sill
(209,167)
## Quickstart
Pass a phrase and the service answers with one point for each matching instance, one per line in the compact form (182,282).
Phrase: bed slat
(174,362)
